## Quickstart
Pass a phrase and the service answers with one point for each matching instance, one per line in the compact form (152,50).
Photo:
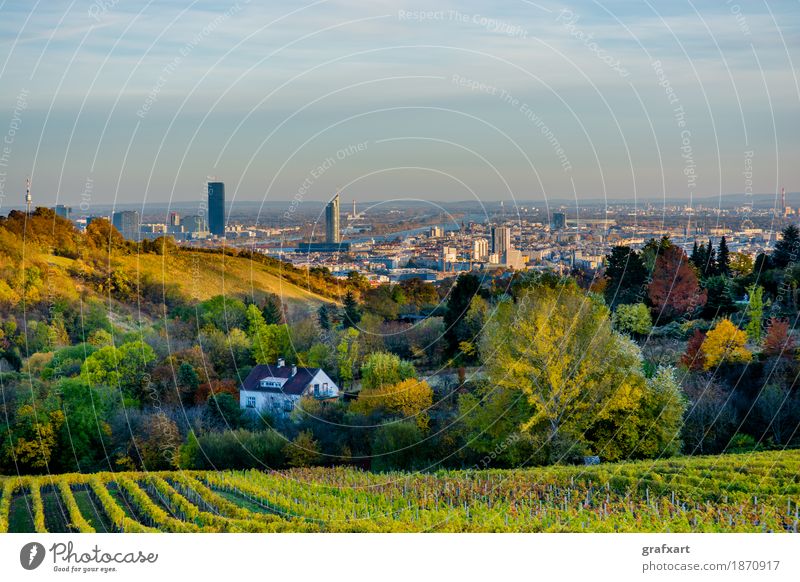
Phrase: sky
(114,101)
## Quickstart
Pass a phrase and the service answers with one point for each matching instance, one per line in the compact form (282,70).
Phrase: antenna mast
(28,198)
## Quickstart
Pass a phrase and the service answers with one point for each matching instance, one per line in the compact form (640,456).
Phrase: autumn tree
(556,346)
(674,290)
(303,451)
(694,359)
(725,344)
(410,398)
(778,341)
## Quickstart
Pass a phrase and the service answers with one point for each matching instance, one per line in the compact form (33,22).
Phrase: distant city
(390,242)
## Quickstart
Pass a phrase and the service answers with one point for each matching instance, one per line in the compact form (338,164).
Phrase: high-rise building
(62,211)
(559,221)
(195,224)
(216,208)
(501,239)
(174,219)
(332,233)
(127,223)
(480,249)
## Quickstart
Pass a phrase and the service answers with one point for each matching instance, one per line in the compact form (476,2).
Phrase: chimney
(294,370)
(281,362)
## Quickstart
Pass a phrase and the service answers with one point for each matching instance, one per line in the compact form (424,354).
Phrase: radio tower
(28,199)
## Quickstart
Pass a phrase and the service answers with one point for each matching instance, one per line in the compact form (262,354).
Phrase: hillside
(756,492)
(201,276)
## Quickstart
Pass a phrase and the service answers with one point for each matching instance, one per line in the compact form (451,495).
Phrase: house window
(251,402)
(288,405)
(316,389)
(325,388)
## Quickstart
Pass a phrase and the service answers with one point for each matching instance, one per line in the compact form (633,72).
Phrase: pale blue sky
(146,100)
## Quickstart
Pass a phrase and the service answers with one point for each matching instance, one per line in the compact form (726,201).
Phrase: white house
(278,388)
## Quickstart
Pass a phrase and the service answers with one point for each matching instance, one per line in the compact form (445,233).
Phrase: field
(756,492)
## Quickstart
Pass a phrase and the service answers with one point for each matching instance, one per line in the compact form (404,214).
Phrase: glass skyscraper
(332,233)
(216,208)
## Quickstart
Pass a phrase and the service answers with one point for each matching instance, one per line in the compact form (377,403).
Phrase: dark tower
(216,208)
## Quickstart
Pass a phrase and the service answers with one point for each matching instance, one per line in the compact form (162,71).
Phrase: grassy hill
(203,275)
(755,492)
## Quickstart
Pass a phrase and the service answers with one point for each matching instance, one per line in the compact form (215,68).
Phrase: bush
(239,449)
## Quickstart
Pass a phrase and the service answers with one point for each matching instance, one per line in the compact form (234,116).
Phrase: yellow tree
(409,398)
(725,344)
(557,346)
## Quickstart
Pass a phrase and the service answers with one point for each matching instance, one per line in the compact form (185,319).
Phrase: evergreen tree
(693,258)
(272,310)
(710,265)
(787,249)
(352,315)
(723,258)
(626,275)
(324,317)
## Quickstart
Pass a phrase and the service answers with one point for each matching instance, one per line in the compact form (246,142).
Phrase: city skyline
(394,99)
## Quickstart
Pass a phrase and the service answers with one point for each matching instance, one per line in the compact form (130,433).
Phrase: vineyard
(756,492)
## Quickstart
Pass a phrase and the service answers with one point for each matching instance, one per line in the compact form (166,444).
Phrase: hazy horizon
(534,102)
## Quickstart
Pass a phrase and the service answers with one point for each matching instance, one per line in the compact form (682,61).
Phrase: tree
(710,267)
(723,258)
(652,250)
(694,359)
(188,381)
(269,342)
(408,398)
(352,314)
(223,312)
(556,346)
(633,319)
(741,264)
(272,310)
(674,290)
(626,275)
(126,367)
(85,429)
(777,341)
(396,445)
(458,302)
(786,249)
(303,451)
(32,441)
(158,444)
(725,344)
(347,353)
(755,309)
(720,297)
(224,410)
(324,317)
(661,415)
(382,369)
